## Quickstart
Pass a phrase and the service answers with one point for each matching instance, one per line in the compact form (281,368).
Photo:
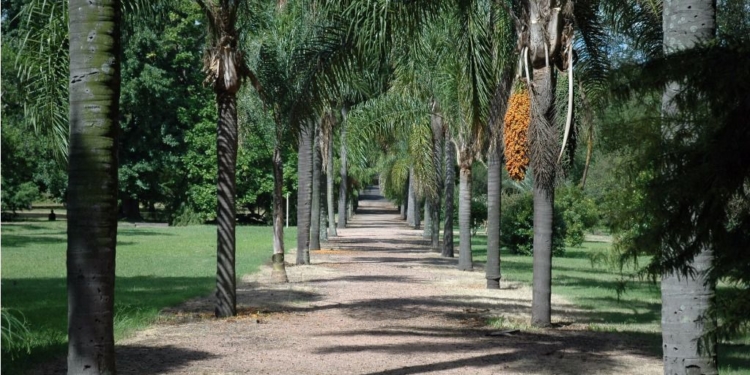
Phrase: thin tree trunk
(405,204)
(427,232)
(494,183)
(94,90)
(315,203)
(226,149)
(344,176)
(541,296)
(329,186)
(411,205)
(450,186)
(438,131)
(323,230)
(465,261)
(685,300)
(279,267)
(304,192)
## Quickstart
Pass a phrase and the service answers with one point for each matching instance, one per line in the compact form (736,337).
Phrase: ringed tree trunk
(494,184)
(226,283)
(329,177)
(279,267)
(494,178)
(411,205)
(315,203)
(543,145)
(94,93)
(436,123)
(685,300)
(304,192)
(450,186)
(344,177)
(427,232)
(465,261)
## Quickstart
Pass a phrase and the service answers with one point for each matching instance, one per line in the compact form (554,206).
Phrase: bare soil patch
(376,301)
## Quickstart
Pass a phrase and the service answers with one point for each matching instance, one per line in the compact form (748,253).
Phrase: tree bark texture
(226,149)
(304,192)
(494,184)
(427,231)
(344,176)
(323,230)
(438,131)
(411,205)
(465,261)
(543,146)
(686,299)
(329,189)
(450,187)
(94,90)
(405,204)
(541,312)
(498,108)
(315,203)
(279,267)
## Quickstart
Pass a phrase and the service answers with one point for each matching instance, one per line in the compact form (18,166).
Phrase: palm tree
(687,298)
(94,94)
(304,190)
(327,141)
(315,217)
(450,186)
(344,177)
(225,69)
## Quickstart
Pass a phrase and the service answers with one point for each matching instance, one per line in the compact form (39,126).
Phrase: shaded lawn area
(156,268)
(637,312)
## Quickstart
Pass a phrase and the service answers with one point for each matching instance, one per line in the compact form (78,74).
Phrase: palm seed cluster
(517,120)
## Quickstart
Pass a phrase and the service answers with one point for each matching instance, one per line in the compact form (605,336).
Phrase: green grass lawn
(593,289)
(156,268)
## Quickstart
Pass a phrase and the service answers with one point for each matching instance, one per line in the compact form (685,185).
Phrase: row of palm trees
(466,81)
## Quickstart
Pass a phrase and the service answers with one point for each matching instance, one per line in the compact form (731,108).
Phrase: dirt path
(378,302)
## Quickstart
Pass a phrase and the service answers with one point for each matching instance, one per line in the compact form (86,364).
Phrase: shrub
(517,225)
(579,212)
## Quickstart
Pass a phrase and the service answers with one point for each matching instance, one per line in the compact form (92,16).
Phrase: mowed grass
(156,268)
(592,288)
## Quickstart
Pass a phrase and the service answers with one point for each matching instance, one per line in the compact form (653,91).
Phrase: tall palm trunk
(329,182)
(323,227)
(92,184)
(498,108)
(686,299)
(427,230)
(279,267)
(465,261)
(494,183)
(405,199)
(344,176)
(226,149)
(411,205)
(450,186)
(315,203)
(304,192)
(543,143)
(436,123)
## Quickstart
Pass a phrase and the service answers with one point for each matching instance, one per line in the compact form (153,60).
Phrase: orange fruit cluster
(517,120)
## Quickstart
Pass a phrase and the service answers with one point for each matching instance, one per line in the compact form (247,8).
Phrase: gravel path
(377,301)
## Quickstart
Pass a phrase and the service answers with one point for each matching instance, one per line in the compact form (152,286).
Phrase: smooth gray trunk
(465,261)
(541,312)
(344,176)
(686,300)
(438,131)
(94,93)
(304,192)
(411,205)
(427,232)
(450,186)
(323,229)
